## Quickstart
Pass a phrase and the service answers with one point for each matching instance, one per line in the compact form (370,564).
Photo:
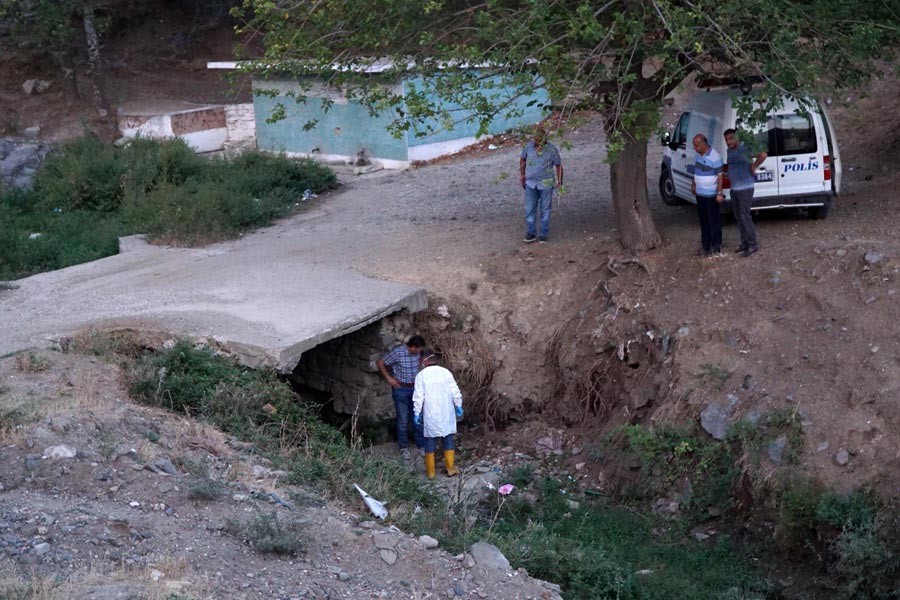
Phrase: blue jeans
(533,199)
(446,443)
(404,405)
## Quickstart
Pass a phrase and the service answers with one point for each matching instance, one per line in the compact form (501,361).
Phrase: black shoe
(716,250)
(741,248)
(542,240)
(530,238)
(750,251)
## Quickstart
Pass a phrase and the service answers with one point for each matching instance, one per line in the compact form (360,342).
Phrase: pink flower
(506,489)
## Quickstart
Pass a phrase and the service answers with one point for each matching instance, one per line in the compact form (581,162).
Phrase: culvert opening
(341,378)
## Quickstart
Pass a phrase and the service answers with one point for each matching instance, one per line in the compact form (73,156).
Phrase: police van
(803,167)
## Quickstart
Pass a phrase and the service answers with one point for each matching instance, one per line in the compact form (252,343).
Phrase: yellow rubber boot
(429,465)
(449,459)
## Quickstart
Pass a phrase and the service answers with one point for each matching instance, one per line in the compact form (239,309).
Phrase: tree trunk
(628,182)
(95,70)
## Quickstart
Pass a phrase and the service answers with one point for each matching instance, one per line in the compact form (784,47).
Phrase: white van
(803,169)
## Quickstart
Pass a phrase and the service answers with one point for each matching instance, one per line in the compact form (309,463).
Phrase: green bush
(88,194)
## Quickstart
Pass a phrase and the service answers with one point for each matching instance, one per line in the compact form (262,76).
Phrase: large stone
(715,421)
(776,449)
(61,451)
(35,86)
(388,556)
(489,556)
(428,542)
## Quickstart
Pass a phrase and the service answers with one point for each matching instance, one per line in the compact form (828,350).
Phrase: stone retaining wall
(345,368)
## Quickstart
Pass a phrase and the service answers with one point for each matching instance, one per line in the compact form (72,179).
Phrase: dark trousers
(403,403)
(447,443)
(740,203)
(710,223)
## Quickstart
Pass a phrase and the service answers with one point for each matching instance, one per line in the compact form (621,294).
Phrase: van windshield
(794,135)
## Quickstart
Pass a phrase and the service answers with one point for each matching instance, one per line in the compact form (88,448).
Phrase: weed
(713,375)
(522,475)
(29,362)
(205,489)
(268,535)
(106,344)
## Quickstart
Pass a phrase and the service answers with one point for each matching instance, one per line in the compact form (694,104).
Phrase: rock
(443,311)
(753,416)
(700,536)
(32,132)
(489,556)
(388,556)
(683,332)
(873,258)
(573,504)
(155,575)
(428,542)
(367,524)
(343,576)
(239,497)
(42,549)
(579,466)
(823,446)
(776,449)
(60,424)
(467,561)
(165,465)
(386,541)
(57,452)
(715,422)
(259,471)
(35,86)
(550,444)
(842,457)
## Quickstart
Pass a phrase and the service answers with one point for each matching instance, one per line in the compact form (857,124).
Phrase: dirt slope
(122,518)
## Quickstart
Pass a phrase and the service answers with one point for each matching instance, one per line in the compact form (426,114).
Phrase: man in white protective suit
(437,404)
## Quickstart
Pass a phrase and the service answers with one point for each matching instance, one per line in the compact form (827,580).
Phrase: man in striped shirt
(707,187)
(404,363)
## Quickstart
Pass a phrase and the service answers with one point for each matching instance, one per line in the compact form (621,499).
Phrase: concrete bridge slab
(265,312)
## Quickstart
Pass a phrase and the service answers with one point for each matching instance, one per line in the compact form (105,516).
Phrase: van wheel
(667,189)
(819,212)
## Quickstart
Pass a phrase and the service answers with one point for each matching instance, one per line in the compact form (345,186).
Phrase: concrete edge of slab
(412,302)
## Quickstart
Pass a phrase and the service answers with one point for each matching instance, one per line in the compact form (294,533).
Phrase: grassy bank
(90,193)
(593,549)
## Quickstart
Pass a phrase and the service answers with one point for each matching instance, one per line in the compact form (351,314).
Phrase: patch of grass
(30,362)
(522,475)
(268,534)
(669,455)
(88,194)
(602,551)
(855,536)
(713,375)
(106,344)
(260,409)
(205,489)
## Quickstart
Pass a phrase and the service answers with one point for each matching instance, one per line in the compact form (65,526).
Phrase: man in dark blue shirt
(741,173)
(404,363)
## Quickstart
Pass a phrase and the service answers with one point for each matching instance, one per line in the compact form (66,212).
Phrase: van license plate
(762,176)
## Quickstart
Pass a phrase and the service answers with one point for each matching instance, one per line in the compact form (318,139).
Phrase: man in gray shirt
(536,167)
(741,174)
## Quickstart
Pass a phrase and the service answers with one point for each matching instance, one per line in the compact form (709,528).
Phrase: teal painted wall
(469,128)
(346,128)
(358,129)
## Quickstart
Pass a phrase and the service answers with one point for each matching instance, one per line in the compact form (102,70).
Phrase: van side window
(681,130)
(795,135)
